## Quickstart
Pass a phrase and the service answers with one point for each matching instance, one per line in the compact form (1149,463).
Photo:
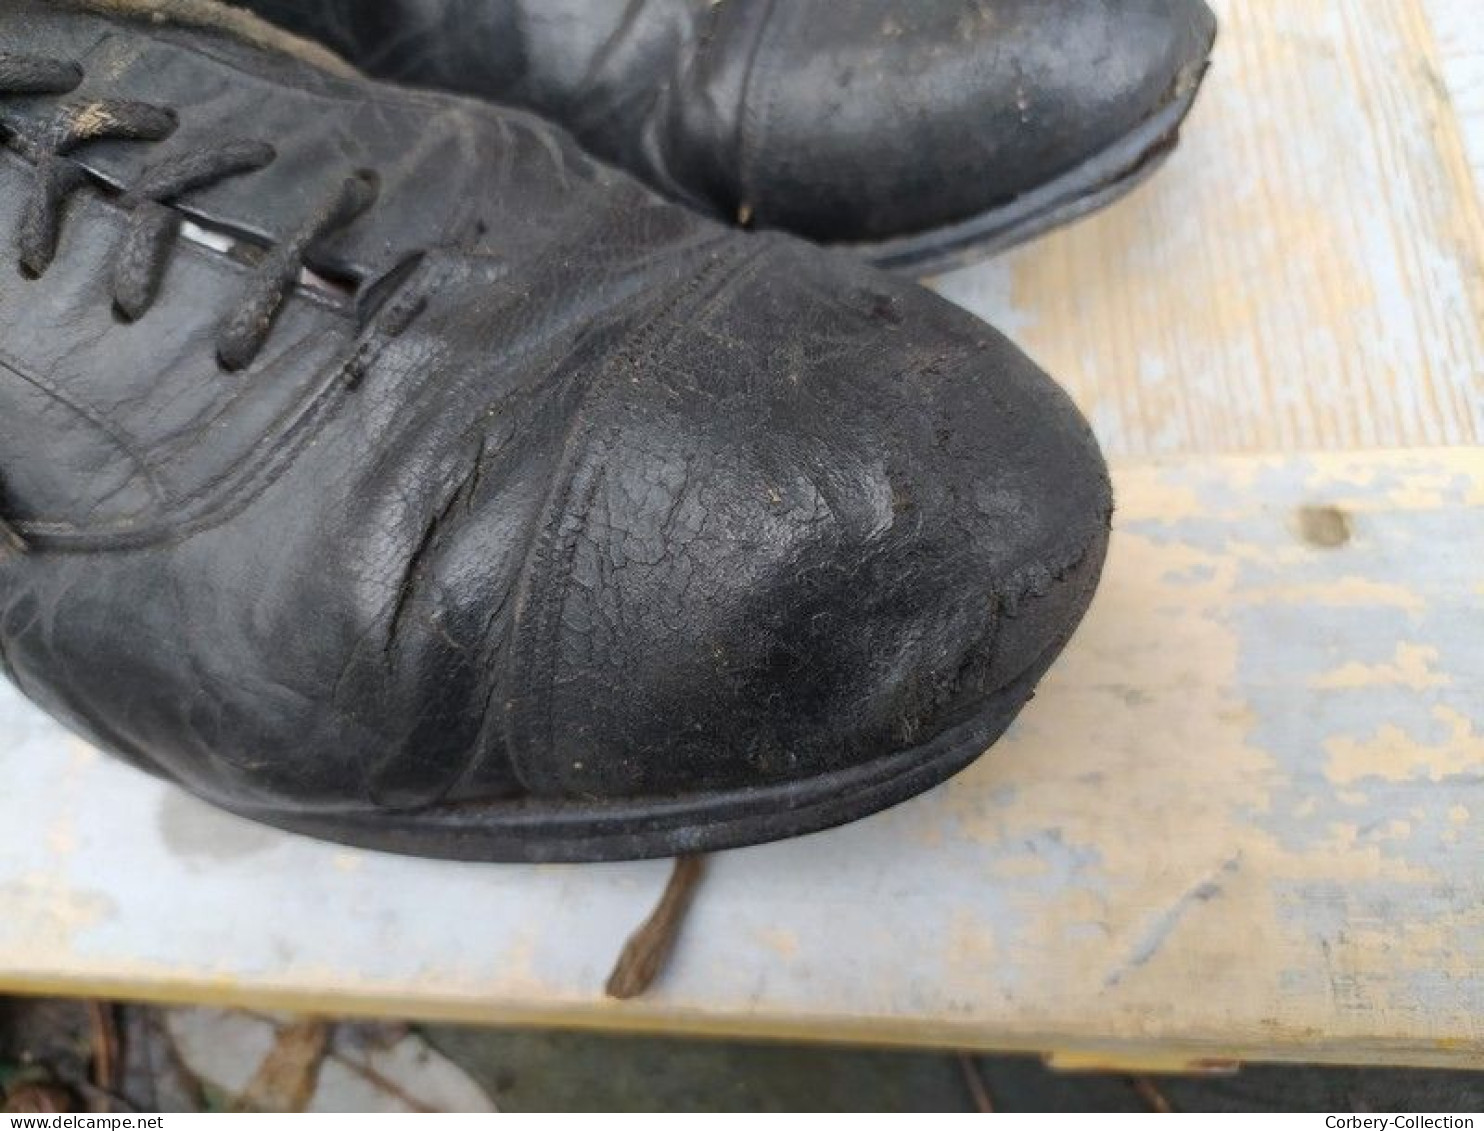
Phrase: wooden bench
(1244,819)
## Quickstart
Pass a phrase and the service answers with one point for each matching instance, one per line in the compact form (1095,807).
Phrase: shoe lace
(154,225)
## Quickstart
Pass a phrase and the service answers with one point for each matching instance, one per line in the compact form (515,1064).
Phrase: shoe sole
(1094,184)
(537,831)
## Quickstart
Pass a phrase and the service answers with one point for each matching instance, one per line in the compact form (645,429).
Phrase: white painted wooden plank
(1244,817)
(1306,273)
(1458,28)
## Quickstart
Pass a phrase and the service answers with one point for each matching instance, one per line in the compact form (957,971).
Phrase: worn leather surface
(585,495)
(841,121)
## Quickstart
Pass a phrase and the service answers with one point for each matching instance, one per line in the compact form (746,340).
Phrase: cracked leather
(586,497)
(842,122)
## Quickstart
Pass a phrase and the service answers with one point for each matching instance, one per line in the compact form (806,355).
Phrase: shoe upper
(436,461)
(842,122)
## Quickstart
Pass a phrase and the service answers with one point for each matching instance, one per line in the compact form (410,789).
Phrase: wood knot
(1324,527)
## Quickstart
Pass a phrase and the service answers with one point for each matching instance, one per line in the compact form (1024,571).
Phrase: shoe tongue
(448,170)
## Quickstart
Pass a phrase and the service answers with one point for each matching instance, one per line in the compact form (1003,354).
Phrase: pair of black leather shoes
(379,464)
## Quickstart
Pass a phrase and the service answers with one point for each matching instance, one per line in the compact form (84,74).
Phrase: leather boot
(921,134)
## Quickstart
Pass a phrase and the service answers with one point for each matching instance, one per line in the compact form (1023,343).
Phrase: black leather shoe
(921,133)
(440,490)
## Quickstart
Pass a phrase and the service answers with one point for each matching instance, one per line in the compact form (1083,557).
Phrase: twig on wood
(978,1089)
(645,953)
(286,1079)
(1149,1092)
(103,1026)
(385,1084)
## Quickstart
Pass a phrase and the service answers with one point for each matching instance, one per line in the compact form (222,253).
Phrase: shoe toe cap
(882,120)
(776,563)
(1102,72)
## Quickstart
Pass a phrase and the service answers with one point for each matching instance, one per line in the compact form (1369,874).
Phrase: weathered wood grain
(1304,274)
(1244,818)
(1460,47)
